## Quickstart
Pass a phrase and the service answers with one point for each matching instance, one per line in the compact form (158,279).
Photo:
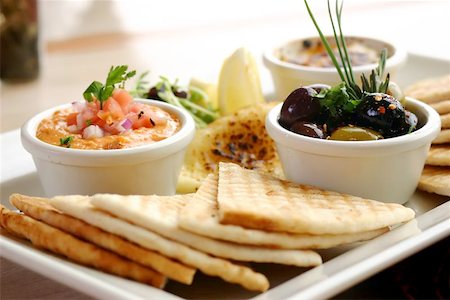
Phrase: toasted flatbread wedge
(80,207)
(435,180)
(254,200)
(442,107)
(439,155)
(443,137)
(57,241)
(40,209)
(160,214)
(201,216)
(445,121)
(430,90)
(240,138)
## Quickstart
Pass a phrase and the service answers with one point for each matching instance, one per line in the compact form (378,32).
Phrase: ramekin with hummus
(113,145)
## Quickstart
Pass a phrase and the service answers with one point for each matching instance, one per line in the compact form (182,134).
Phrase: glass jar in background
(19,53)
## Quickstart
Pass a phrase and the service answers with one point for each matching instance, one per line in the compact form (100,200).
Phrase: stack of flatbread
(436,174)
(236,216)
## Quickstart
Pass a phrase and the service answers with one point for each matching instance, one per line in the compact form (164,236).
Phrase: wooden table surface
(195,49)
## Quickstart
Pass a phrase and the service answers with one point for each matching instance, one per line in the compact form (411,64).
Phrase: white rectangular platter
(343,267)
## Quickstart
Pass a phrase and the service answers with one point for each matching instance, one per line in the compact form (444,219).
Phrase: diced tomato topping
(143,121)
(136,107)
(111,111)
(99,122)
(72,119)
(114,110)
(123,98)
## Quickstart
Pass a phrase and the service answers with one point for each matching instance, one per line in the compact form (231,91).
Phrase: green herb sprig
(101,92)
(346,76)
(66,141)
(346,97)
(141,86)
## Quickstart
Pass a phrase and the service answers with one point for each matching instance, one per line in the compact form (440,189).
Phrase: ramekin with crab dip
(80,153)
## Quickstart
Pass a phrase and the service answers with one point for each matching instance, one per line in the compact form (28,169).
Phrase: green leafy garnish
(65,141)
(345,71)
(202,115)
(101,92)
(196,102)
(337,101)
(141,86)
(374,84)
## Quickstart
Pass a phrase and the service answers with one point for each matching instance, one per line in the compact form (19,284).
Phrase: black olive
(180,93)
(153,94)
(307,129)
(382,113)
(411,120)
(300,105)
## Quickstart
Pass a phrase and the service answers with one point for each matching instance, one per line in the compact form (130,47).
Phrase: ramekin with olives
(376,116)
(355,162)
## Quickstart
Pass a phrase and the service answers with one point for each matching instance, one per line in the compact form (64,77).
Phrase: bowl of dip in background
(304,61)
(386,170)
(151,168)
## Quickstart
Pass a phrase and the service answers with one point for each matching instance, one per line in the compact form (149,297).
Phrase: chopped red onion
(92,131)
(78,106)
(126,124)
(73,128)
(123,125)
(80,122)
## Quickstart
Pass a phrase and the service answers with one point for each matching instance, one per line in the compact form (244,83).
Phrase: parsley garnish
(65,141)
(88,122)
(337,100)
(99,91)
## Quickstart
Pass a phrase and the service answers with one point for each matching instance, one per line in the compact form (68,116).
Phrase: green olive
(353,133)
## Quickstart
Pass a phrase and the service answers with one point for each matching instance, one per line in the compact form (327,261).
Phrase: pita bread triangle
(260,201)
(81,208)
(160,214)
(200,216)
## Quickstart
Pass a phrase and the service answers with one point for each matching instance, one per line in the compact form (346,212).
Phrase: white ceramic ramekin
(289,76)
(386,170)
(148,169)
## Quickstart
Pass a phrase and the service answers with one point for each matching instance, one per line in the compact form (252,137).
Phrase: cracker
(439,155)
(80,207)
(430,90)
(254,200)
(443,137)
(435,180)
(240,138)
(445,121)
(201,216)
(160,214)
(442,107)
(40,209)
(57,241)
